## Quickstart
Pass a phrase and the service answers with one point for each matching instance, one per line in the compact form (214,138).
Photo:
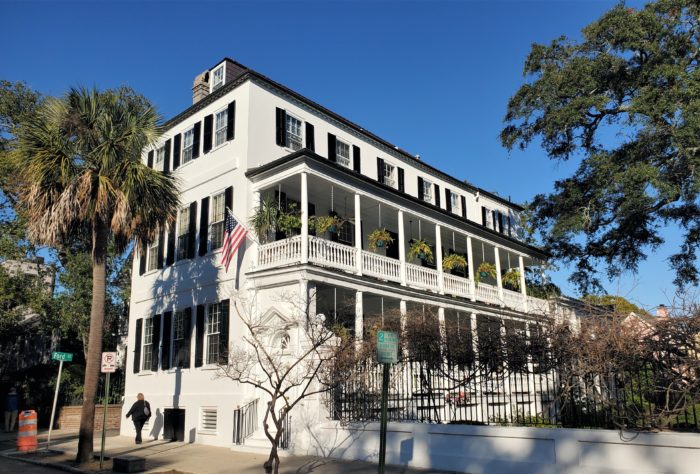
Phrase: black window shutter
(510,230)
(177,143)
(448,200)
(464,206)
(493,220)
(142,263)
(223,332)
(161,242)
(167,329)
(331,148)
(421,194)
(204,227)
(281,127)
(199,341)
(188,338)
(208,129)
(310,138)
(166,160)
(437,195)
(155,347)
(356,160)
(171,245)
(500,222)
(228,197)
(380,170)
(402,180)
(483,216)
(195,139)
(192,231)
(150,159)
(231,121)
(137,346)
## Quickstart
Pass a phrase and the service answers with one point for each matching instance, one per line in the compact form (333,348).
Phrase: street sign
(387,347)
(109,362)
(62,356)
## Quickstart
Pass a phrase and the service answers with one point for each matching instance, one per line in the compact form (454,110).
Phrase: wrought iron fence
(245,421)
(286,431)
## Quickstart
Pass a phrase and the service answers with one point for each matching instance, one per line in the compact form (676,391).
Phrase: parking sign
(109,362)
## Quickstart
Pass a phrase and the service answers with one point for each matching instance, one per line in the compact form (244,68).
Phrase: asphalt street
(10,466)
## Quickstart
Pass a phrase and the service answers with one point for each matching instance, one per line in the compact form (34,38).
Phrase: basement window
(207,419)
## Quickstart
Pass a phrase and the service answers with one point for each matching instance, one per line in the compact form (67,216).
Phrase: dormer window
(342,153)
(294,133)
(217,78)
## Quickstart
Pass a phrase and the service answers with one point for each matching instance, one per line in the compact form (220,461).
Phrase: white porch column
(470,268)
(475,335)
(499,282)
(402,312)
(359,319)
(255,258)
(438,258)
(441,323)
(304,218)
(402,251)
(523,290)
(358,235)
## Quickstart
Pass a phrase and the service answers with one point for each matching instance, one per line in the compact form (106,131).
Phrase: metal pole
(104,420)
(55,398)
(382,430)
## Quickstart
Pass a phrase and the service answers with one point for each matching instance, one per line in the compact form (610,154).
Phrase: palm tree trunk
(94,352)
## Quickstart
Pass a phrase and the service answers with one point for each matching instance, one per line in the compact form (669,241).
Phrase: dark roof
(308,154)
(251,74)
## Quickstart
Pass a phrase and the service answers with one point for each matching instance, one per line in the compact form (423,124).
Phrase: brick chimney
(200,87)
(661,311)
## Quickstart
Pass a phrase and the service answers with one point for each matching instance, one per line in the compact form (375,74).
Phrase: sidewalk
(163,457)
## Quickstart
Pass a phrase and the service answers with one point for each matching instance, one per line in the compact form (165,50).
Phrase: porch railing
(325,252)
(344,257)
(380,266)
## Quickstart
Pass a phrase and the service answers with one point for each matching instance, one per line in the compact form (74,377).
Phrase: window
(346,233)
(217,222)
(207,420)
(179,342)
(217,78)
(183,233)
(152,256)
(188,141)
(147,344)
(160,156)
(213,331)
(427,191)
(220,127)
(389,172)
(294,136)
(454,199)
(342,153)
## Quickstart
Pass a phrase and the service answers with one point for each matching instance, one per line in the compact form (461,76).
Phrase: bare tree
(289,358)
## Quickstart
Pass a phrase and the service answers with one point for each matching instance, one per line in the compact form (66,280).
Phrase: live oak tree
(624,102)
(80,157)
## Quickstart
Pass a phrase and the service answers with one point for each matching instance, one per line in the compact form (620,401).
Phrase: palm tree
(81,159)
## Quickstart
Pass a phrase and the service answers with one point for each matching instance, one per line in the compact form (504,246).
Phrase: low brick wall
(69,417)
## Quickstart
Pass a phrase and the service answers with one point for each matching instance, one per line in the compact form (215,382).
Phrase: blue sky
(432,77)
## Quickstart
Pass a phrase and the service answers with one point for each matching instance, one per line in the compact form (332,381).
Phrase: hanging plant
(453,261)
(379,238)
(289,222)
(511,279)
(265,218)
(420,249)
(327,224)
(485,270)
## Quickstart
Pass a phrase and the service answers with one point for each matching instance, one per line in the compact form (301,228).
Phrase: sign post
(109,365)
(60,357)
(387,353)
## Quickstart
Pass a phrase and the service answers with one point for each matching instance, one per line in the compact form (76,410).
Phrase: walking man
(140,412)
(11,406)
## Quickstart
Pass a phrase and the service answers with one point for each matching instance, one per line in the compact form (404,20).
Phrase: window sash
(294,133)
(221,123)
(454,198)
(153,256)
(427,191)
(188,141)
(342,153)
(217,224)
(217,78)
(389,175)
(213,331)
(160,155)
(147,344)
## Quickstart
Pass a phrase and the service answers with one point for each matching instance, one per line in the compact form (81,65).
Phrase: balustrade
(421,277)
(282,252)
(380,266)
(458,286)
(327,253)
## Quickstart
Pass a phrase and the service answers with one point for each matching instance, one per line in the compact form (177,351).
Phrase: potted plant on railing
(289,222)
(265,218)
(328,223)
(379,238)
(453,261)
(511,279)
(485,270)
(421,250)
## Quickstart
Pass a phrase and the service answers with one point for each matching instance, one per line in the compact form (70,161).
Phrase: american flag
(234,234)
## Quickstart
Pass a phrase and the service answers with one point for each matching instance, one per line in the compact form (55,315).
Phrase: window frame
(214,85)
(455,200)
(339,142)
(183,234)
(220,130)
(208,333)
(289,133)
(220,223)
(152,255)
(185,148)
(147,347)
(177,341)
(160,157)
(428,187)
(390,175)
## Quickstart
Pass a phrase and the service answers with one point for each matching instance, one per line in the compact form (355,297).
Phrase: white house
(247,137)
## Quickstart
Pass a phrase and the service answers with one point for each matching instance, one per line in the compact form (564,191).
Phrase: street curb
(60,467)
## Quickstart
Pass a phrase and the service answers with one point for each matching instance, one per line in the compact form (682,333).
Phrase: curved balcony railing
(344,257)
